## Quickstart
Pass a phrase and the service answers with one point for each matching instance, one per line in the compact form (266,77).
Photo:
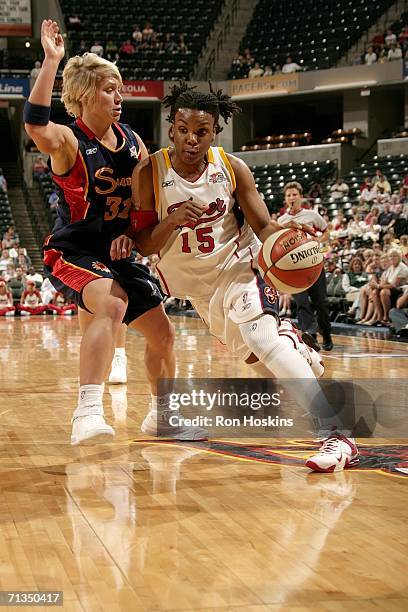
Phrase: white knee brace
(262,338)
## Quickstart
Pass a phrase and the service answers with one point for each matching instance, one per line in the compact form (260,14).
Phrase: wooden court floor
(145,525)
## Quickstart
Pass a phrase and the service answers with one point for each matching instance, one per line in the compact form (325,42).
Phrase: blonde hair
(293,185)
(394,251)
(80,78)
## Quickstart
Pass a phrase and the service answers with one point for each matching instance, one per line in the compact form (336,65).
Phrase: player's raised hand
(51,40)
(187,212)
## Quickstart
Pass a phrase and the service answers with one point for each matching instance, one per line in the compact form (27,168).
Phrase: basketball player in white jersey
(201,212)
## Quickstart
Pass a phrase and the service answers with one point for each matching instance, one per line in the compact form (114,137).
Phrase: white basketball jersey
(196,254)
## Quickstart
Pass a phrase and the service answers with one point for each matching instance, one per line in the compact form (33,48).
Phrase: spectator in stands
(74,23)
(248,57)
(339,189)
(290,66)
(395,53)
(374,212)
(53,200)
(3,182)
(126,49)
(256,71)
(6,300)
(147,32)
(403,38)
(9,241)
(383,56)
(268,71)
(366,302)
(315,193)
(34,276)
(378,41)
(403,245)
(367,196)
(365,183)
(352,281)
(390,39)
(39,168)
(111,48)
(137,36)
(34,73)
(5,260)
(22,252)
(30,301)
(370,57)
(83,47)
(182,45)
(390,287)
(386,218)
(97,48)
(399,315)
(9,273)
(380,182)
(170,45)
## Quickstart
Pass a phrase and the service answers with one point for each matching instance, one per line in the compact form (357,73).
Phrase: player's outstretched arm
(51,138)
(251,203)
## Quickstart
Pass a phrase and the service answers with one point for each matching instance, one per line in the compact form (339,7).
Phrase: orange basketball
(290,260)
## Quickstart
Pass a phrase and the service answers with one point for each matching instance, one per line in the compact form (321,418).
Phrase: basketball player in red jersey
(92,161)
(201,212)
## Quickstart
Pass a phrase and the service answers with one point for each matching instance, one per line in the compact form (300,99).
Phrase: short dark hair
(293,185)
(215,103)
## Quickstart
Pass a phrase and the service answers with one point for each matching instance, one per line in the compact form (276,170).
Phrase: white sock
(90,395)
(120,352)
(261,370)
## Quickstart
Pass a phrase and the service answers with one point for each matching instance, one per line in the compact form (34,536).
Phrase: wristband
(36,114)
(141,219)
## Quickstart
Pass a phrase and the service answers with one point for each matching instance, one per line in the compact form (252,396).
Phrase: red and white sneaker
(336,453)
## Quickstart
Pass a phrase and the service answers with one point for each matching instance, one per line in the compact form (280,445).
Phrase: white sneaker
(10,313)
(158,425)
(336,453)
(25,313)
(89,427)
(118,374)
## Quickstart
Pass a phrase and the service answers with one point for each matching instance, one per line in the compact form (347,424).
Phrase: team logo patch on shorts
(97,265)
(271,295)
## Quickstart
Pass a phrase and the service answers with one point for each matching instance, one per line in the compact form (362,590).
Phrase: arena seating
(6,217)
(101,23)
(314,33)
(271,179)
(394,167)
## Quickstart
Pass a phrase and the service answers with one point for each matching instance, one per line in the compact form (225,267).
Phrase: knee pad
(261,335)
(281,358)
